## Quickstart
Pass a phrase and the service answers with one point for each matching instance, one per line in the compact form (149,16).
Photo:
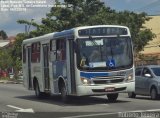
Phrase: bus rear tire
(37,91)
(112,97)
(64,96)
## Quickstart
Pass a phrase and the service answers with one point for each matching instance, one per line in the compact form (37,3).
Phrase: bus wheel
(154,94)
(112,97)
(37,91)
(131,95)
(64,95)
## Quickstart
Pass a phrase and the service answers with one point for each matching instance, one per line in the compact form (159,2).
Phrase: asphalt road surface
(17,102)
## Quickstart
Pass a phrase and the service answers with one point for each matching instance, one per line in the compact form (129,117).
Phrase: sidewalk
(11,81)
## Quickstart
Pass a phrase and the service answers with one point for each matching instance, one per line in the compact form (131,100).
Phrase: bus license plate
(109,89)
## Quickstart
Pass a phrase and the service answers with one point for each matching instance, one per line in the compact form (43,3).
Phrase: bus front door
(46,66)
(72,68)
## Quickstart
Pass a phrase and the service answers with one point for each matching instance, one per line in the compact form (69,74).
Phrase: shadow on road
(73,101)
(144,98)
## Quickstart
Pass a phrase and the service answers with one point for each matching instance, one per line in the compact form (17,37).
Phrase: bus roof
(84,27)
(40,38)
(73,30)
(65,33)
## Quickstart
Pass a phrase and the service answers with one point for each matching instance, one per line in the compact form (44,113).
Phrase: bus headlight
(129,78)
(85,81)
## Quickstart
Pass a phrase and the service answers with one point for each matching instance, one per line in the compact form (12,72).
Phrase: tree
(140,34)
(6,61)
(92,12)
(3,35)
(11,56)
(16,53)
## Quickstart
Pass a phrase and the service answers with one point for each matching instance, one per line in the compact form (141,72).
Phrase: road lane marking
(102,114)
(14,107)
(29,110)
(153,110)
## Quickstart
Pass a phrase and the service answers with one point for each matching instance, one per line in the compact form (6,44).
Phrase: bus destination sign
(102,31)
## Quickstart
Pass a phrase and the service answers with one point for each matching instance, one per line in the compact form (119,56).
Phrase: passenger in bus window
(58,54)
(61,53)
(84,61)
(95,56)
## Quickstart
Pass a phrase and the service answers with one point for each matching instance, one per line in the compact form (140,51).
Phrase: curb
(10,82)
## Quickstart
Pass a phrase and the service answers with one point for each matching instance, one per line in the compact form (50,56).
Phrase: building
(152,50)
(4,43)
(154,46)
(8,42)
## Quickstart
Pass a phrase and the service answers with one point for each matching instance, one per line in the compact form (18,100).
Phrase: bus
(82,61)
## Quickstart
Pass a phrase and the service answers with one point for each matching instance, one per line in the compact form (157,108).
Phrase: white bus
(83,61)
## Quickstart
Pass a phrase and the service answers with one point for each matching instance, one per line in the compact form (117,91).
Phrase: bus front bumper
(83,90)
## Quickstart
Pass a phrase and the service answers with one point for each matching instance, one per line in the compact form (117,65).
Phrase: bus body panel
(37,68)
(101,80)
(100,90)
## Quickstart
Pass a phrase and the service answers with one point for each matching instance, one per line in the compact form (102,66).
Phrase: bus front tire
(112,97)
(131,95)
(64,96)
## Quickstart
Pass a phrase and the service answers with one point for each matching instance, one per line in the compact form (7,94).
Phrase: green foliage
(4,78)
(92,12)
(140,34)
(17,51)
(17,47)
(11,57)
(142,39)
(3,34)
(5,58)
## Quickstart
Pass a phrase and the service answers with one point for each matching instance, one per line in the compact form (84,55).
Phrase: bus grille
(107,80)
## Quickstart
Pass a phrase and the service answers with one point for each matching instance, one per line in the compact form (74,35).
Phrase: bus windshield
(104,53)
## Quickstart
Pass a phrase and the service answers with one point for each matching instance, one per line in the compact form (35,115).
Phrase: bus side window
(35,54)
(53,50)
(61,50)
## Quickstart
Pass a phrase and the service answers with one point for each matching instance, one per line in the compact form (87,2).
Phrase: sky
(151,7)
(11,27)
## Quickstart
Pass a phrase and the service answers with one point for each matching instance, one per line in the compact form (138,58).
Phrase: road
(15,100)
